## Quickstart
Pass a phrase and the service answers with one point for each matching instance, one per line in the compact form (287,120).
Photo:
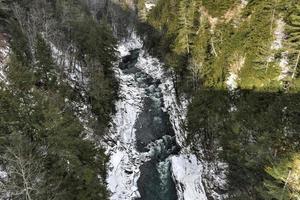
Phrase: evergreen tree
(185,20)
(293,39)
(44,69)
(286,179)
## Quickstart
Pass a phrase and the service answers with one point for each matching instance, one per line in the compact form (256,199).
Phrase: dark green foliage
(39,105)
(44,67)
(254,130)
(19,43)
(187,30)
(286,181)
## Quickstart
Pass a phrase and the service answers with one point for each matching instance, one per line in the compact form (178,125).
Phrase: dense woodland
(255,128)
(46,148)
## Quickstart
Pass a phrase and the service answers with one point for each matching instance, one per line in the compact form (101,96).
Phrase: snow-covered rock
(187,171)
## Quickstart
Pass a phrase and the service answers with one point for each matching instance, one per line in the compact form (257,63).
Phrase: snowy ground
(125,161)
(231,81)
(149,6)
(277,45)
(70,65)
(278,34)
(75,77)
(4,53)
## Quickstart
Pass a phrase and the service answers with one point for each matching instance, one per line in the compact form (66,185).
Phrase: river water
(154,134)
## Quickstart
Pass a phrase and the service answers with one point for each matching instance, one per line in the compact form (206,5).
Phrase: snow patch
(244,3)
(71,67)
(4,55)
(235,68)
(3,175)
(278,34)
(187,171)
(231,81)
(215,178)
(149,6)
(284,66)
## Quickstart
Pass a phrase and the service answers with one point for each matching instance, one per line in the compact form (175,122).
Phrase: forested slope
(239,61)
(56,96)
(215,39)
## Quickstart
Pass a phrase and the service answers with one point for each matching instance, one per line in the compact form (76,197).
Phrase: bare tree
(24,176)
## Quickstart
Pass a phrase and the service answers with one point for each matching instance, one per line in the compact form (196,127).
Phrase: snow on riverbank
(187,171)
(125,160)
(123,167)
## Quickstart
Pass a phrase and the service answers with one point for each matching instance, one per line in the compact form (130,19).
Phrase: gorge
(149,99)
(148,128)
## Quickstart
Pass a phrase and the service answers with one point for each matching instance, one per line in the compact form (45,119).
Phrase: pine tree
(293,38)
(286,179)
(185,20)
(45,71)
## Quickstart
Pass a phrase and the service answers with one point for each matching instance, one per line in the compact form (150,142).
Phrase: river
(146,158)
